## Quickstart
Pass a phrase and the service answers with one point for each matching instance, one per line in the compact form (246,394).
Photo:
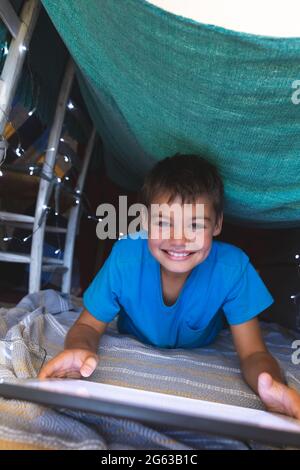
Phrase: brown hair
(186,176)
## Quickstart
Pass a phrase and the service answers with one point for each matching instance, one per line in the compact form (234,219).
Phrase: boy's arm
(253,354)
(79,357)
(85,333)
(262,372)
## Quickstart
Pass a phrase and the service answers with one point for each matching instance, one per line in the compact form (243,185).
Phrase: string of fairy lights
(56,183)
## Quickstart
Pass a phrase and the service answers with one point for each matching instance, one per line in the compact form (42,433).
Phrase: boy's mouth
(178,255)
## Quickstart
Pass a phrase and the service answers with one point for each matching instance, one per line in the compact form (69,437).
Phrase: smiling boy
(173,288)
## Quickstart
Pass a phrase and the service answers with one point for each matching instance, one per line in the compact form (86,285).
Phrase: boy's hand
(71,363)
(278,397)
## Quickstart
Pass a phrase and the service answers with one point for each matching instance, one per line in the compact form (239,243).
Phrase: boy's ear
(218,227)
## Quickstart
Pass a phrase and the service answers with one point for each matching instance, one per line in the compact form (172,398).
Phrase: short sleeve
(247,298)
(101,298)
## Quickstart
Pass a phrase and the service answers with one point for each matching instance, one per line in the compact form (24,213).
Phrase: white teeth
(178,255)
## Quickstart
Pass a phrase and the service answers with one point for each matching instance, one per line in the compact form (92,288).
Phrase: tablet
(158,408)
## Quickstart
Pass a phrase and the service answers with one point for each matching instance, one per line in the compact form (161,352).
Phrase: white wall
(266,17)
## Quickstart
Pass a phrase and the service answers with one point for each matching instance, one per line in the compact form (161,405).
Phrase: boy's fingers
(52,368)
(265,380)
(88,366)
(278,397)
(48,370)
(62,368)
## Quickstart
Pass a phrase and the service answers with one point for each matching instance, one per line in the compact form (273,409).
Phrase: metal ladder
(21,30)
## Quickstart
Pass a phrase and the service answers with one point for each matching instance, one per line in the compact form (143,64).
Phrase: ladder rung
(53,267)
(14,257)
(12,217)
(28,226)
(57,262)
(11,257)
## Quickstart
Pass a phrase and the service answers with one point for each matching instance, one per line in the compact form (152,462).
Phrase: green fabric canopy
(156,84)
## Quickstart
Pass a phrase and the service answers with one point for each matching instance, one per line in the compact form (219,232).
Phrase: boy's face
(181,238)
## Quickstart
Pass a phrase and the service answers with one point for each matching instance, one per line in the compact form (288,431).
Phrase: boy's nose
(178,243)
(182,240)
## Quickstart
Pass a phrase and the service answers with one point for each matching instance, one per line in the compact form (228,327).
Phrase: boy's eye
(194,225)
(197,226)
(163,223)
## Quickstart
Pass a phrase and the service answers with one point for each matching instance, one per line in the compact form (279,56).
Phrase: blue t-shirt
(129,284)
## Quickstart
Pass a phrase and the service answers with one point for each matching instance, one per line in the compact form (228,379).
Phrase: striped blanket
(36,328)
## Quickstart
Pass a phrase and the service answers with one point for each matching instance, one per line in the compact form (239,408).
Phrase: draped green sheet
(156,84)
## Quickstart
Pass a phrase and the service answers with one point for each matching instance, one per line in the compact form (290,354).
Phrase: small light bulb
(66,158)
(25,239)
(6,239)
(1,173)
(22,48)
(56,213)
(32,112)
(57,251)
(58,180)
(18,151)
(100,220)
(297,256)
(31,173)
(77,201)
(71,105)
(61,139)
(77,191)
(67,178)
(5,49)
